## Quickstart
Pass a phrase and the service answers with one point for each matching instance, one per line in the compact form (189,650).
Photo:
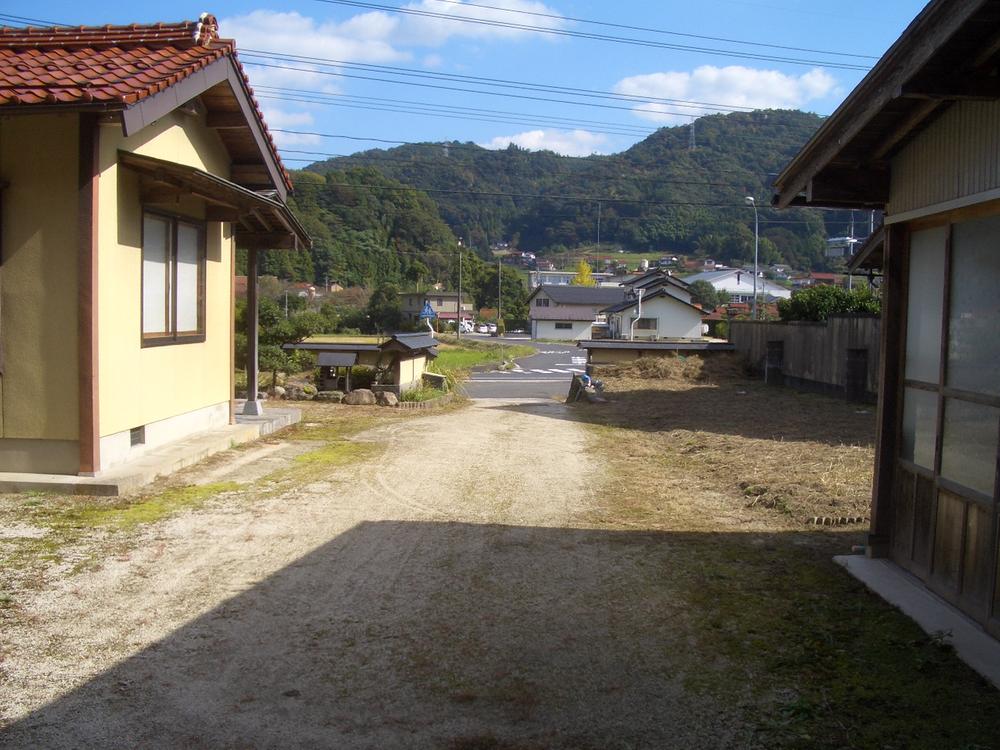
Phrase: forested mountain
(660,195)
(394,215)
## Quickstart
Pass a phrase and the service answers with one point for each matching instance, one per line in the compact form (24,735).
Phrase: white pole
(756,244)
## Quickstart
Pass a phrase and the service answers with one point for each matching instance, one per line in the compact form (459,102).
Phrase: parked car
(492,327)
(467,326)
(482,328)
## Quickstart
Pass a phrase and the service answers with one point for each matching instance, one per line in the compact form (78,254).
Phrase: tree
(274,331)
(383,308)
(583,277)
(817,303)
(706,295)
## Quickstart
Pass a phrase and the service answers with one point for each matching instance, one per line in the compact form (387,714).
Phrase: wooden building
(920,139)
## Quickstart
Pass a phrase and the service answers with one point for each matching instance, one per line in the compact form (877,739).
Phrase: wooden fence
(840,356)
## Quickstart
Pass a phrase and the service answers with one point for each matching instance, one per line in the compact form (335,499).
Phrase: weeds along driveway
(507,575)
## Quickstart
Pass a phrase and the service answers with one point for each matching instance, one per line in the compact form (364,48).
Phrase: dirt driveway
(449,594)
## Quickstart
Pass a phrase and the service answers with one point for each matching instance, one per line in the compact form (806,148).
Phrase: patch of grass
(423,393)
(325,338)
(126,513)
(455,360)
(830,664)
(314,465)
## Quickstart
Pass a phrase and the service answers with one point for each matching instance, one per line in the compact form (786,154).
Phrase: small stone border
(835,520)
(431,404)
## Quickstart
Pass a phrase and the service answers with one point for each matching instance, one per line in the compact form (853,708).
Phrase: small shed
(399,362)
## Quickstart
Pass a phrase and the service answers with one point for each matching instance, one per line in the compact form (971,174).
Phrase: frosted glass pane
(187,278)
(155,275)
(925,305)
(969,444)
(919,427)
(974,318)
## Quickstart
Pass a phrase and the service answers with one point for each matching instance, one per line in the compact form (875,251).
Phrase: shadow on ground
(452,635)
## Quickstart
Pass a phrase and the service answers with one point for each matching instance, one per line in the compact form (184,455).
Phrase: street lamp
(756,243)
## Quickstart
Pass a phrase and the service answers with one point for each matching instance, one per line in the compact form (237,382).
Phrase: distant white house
(570,312)
(561,278)
(738,284)
(657,315)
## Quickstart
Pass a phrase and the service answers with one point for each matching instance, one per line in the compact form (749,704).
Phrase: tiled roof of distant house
(111,68)
(581,295)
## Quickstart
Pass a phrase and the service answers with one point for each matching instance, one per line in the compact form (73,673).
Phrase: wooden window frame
(943,392)
(172,336)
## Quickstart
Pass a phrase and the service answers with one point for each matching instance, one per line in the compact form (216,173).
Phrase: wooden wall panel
(948,540)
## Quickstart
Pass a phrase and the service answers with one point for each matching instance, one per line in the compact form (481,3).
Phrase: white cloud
(433,61)
(733,85)
(565,142)
(432,32)
(362,38)
(275,117)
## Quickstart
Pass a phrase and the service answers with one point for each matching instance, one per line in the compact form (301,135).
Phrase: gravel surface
(451,593)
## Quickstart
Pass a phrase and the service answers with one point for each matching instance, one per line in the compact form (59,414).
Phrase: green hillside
(659,196)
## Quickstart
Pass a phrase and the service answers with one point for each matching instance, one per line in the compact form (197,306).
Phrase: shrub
(817,303)
(362,377)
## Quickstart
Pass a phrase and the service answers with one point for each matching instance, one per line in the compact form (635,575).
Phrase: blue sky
(429,50)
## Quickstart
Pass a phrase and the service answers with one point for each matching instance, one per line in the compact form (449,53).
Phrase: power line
(29,21)
(427,110)
(447,144)
(659,31)
(596,37)
(322,97)
(506,83)
(471,91)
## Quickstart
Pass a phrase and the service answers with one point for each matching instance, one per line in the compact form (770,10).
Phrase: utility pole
(499,303)
(598,227)
(458,324)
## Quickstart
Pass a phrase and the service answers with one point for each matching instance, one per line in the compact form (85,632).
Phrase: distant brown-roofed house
(133,162)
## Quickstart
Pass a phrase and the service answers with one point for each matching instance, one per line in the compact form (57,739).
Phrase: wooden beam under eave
(259,215)
(844,187)
(266,241)
(904,128)
(221,213)
(226,120)
(955,87)
(248,174)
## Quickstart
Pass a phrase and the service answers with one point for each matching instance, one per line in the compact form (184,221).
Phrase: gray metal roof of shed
(337,359)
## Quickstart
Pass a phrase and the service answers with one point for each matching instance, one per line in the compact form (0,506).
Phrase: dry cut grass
(688,425)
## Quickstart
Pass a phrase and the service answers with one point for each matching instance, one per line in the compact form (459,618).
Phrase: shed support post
(253,405)
(890,364)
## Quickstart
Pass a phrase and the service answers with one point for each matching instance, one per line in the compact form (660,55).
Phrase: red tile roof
(114,66)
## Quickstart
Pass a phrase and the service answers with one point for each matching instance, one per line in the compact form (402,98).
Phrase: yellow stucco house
(133,162)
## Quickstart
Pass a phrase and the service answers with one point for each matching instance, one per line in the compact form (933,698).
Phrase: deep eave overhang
(869,257)
(947,53)
(259,221)
(135,117)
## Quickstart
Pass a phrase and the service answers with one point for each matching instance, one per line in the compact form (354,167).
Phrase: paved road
(546,374)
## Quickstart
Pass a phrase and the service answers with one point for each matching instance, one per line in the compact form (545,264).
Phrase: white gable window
(173,280)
